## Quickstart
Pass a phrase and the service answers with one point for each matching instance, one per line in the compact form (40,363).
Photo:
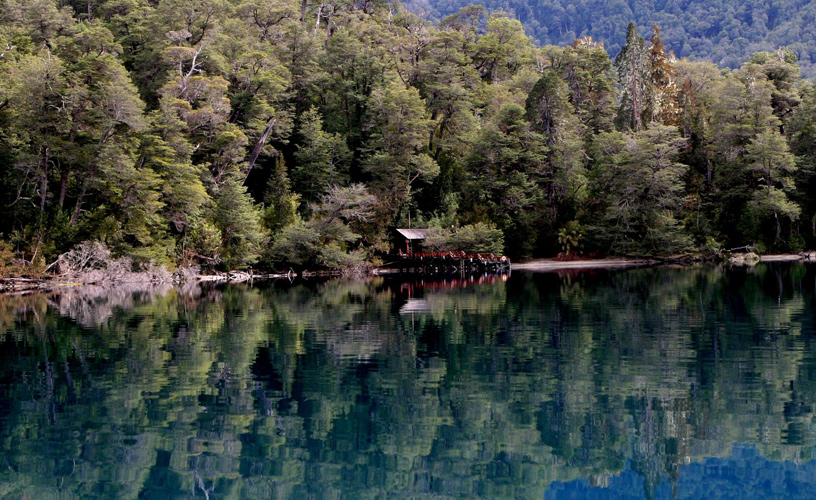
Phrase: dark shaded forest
(722,31)
(271,133)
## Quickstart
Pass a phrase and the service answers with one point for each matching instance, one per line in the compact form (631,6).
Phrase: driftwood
(321,274)
(746,248)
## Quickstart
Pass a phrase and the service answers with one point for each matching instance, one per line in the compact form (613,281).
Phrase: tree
(744,114)
(640,183)
(267,15)
(39,97)
(548,107)
(632,64)
(551,114)
(507,174)
(400,138)
(257,79)
(448,82)
(802,128)
(782,71)
(588,72)
(472,238)
(354,70)
(240,224)
(42,21)
(132,202)
(330,237)
(281,202)
(660,99)
(70,110)
(772,165)
(502,50)
(166,152)
(322,158)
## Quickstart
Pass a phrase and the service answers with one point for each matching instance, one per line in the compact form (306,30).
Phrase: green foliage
(240,224)
(331,237)
(281,203)
(633,67)
(198,131)
(471,238)
(640,183)
(8,266)
(570,236)
(802,129)
(502,169)
(503,50)
(400,139)
(322,159)
(297,244)
(722,31)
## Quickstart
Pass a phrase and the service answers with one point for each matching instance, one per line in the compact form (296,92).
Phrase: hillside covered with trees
(721,31)
(273,133)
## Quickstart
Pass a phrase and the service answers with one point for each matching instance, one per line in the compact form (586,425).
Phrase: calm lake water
(649,383)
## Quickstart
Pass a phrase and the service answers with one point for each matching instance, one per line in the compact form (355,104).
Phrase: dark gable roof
(413,234)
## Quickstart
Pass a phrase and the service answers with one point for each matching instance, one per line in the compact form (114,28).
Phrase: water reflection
(648,383)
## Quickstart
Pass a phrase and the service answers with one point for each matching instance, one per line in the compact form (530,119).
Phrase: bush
(569,237)
(8,266)
(473,238)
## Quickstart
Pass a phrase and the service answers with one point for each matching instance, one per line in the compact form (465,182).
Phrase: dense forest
(272,133)
(722,31)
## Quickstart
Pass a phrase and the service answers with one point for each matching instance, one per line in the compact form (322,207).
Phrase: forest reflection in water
(647,383)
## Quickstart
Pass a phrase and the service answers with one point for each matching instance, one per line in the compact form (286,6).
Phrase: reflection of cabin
(409,241)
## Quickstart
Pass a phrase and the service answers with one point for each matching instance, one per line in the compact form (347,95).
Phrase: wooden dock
(452,263)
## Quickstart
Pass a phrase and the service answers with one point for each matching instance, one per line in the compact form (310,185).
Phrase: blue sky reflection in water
(744,475)
(648,383)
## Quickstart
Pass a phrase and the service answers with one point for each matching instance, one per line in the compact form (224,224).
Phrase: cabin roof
(413,234)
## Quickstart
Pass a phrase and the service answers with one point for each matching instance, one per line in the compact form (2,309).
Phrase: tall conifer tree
(660,102)
(632,65)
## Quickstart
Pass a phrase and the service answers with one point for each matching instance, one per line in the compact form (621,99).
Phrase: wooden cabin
(409,241)
(413,258)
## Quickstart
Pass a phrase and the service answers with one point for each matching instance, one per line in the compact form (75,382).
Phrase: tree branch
(256,151)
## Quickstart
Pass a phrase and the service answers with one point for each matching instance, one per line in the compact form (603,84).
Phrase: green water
(649,383)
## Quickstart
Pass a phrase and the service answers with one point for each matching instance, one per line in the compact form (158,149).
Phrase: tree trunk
(256,151)
(635,96)
(63,187)
(78,207)
(44,182)
(319,14)
(328,24)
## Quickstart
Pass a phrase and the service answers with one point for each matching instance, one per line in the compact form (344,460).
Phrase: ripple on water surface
(645,383)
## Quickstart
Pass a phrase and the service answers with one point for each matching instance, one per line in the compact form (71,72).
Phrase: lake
(691,383)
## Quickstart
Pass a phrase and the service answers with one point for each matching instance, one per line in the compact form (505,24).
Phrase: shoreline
(623,262)
(788,257)
(13,285)
(557,265)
